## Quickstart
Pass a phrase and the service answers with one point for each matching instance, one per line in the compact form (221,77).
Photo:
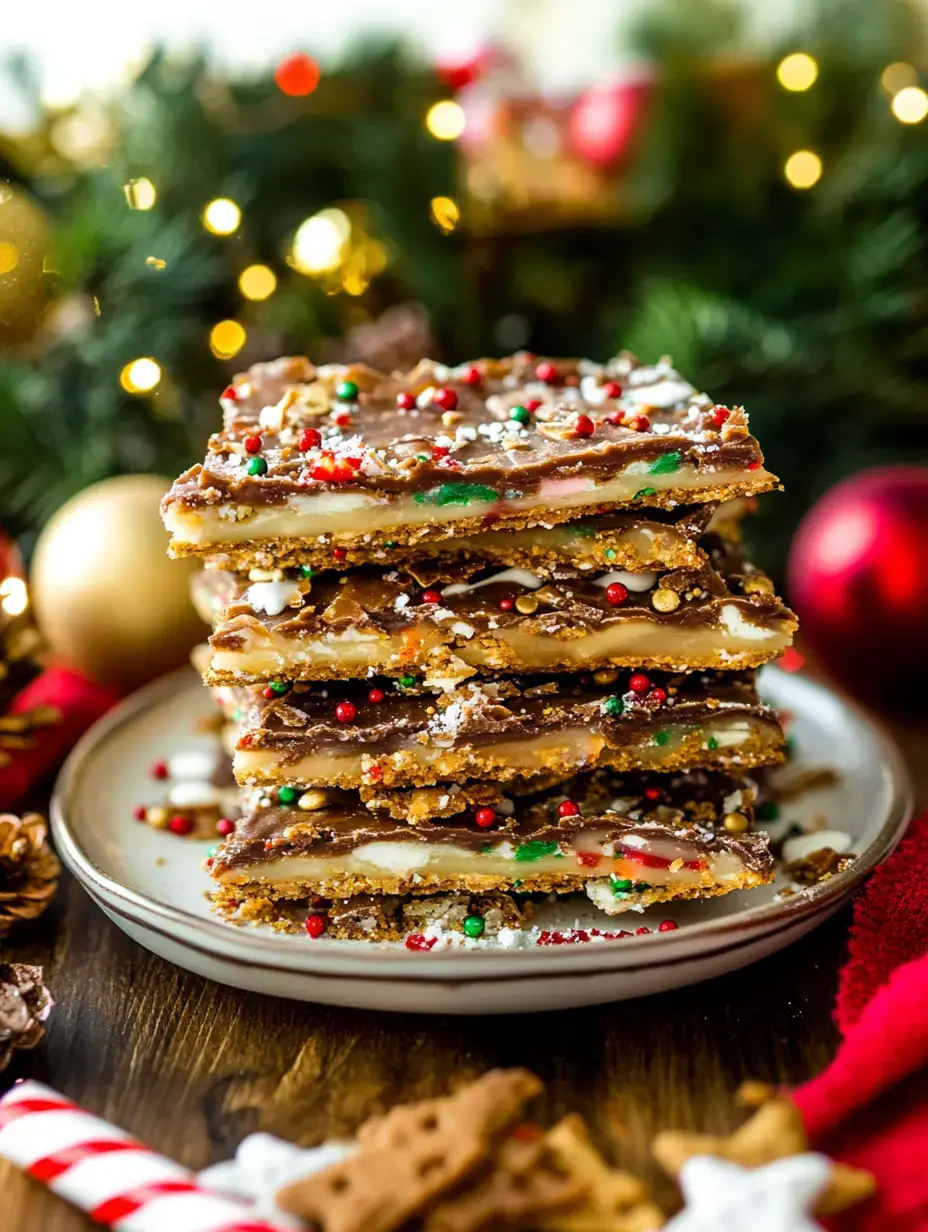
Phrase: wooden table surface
(190,1067)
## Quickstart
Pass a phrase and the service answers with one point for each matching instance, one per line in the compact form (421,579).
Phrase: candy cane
(105,1172)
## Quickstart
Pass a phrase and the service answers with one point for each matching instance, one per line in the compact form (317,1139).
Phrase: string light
(445,120)
(221,216)
(227,339)
(156,263)
(141,375)
(897,76)
(445,213)
(9,257)
(320,242)
(257,282)
(803,169)
(797,72)
(14,597)
(140,194)
(910,106)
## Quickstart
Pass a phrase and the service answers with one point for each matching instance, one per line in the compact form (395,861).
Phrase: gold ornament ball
(107,598)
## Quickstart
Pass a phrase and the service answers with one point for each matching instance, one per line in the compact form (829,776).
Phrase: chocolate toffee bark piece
(353,735)
(627,840)
(362,459)
(449,621)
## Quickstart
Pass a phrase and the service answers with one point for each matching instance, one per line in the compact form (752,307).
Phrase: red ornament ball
(638,682)
(658,695)
(346,712)
(858,579)
(405,402)
(485,817)
(159,770)
(375,697)
(605,119)
(297,75)
(506,605)
(311,438)
(616,593)
(547,371)
(225,826)
(316,925)
(431,596)
(612,389)
(446,398)
(252,443)
(180,825)
(567,808)
(472,376)
(140,812)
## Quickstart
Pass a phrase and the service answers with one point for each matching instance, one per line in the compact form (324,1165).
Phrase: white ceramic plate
(152,885)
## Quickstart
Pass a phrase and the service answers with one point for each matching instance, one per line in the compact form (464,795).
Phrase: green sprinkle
(621,885)
(614,706)
(407,681)
(422,457)
(237,714)
(662,737)
(256,466)
(211,851)
(520,414)
(768,811)
(391,543)
(712,743)
(474,926)
(280,687)
(286,795)
(456,494)
(610,554)
(666,464)
(533,850)
(516,884)
(307,571)
(346,391)
(642,492)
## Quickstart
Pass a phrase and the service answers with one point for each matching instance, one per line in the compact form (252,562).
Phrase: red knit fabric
(81,703)
(870,1106)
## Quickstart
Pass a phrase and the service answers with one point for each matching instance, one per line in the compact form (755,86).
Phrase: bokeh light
(897,76)
(320,242)
(910,106)
(803,169)
(141,375)
(297,75)
(257,282)
(445,120)
(9,256)
(221,216)
(445,213)
(140,194)
(797,72)
(226,339)
(14,597)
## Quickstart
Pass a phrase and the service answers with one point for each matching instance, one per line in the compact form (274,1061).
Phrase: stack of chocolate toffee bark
(486,634)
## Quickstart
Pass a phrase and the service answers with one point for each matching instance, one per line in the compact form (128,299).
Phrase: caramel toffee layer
(452,620)
(624,838)
(362,458)
(353,733)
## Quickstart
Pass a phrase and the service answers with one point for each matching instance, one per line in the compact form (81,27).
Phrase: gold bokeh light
(803,169)
(9,256)
(226,339)
(221,216)
(445,213)
(257,282)
(897,76)
(320,242)
(445,120)
(797,72)
(141,375)
(910,106)
(141,194)
(14,597)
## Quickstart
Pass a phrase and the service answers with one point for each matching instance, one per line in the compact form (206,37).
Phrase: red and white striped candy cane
(101,1169)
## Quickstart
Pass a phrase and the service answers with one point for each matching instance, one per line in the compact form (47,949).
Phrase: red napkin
(81,703)
(869,1108)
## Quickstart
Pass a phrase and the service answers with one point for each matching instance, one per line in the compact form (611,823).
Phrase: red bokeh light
(297,75)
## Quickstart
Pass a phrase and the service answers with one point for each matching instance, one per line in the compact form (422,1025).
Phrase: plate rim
(214,936)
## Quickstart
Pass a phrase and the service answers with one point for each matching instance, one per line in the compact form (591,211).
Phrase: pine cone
(24,1005)
(29,869)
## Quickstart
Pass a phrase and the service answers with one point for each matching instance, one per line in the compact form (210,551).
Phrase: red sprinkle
(405,402)
(547,372)
(346,712)
(532,405)
(575,935)
(473,376)
(268,692)
(159,770)
(340,553)
(485,817)
(616,418)
(506,605)
(446,398)
(589,859)
(584,426)
(616,593)
(343,419)
(375,772)
(224,826)
(375,697)
(140,813)
(652,793)
(567,808)
(753,466)
(311,438)
(640,932)
(658,695)
(439,452)
(316,925)
(180,825)
(639,423)
(719,415)
(252,443)
(431,596)
(639,683)
(418,941)
(230,392)
(612,389)
(667,926)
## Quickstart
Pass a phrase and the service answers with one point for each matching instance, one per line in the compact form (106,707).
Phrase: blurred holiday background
(188,190)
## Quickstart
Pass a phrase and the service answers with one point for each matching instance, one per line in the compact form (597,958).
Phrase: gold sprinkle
(758,585)
(665,600)
(607,676)
(676,865)
(450,418)
(526,604)
(312,800)
(735,823)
